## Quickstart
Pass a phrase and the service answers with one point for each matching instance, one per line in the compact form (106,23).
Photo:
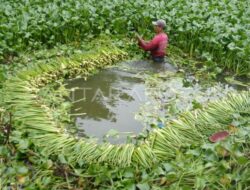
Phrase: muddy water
(108,100)
(134,96)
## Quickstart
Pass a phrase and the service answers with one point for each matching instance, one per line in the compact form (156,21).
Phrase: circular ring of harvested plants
(35,118)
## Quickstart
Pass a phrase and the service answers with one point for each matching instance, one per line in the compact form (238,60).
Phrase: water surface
(134,96)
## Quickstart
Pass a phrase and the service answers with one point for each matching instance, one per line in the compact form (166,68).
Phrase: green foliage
(213,30)
(177,156)
(224,165)
(37,149)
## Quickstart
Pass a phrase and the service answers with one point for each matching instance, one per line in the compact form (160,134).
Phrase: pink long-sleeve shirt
(157,46)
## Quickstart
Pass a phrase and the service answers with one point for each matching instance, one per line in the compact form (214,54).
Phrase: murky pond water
(135,96)
(108,100)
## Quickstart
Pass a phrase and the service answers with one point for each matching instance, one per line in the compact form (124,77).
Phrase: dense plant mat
(213,30)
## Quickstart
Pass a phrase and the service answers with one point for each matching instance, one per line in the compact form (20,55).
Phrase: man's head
(159,25)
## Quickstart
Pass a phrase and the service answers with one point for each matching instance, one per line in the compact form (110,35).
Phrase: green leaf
(168,167)
(3,151)
(112,133)
(208,146)
(129,173)
(200,183)
(23,144)
(143,186)
(193,152)
(130,186)
(242,160)
(22,170)
(171,176)
(62,159)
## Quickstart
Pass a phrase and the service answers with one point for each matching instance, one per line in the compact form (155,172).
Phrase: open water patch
(121,102)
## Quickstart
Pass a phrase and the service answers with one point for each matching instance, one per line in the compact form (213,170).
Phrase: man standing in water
(157,46)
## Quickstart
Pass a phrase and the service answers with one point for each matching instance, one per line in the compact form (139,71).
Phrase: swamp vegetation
(46,47)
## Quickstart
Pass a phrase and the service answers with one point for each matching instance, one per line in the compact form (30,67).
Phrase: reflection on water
(110,100)
(132,96)
(144,66)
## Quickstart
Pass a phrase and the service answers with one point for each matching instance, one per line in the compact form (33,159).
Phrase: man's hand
(138,37)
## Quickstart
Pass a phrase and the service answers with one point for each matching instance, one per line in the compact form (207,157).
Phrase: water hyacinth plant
(216,31)
(42,43)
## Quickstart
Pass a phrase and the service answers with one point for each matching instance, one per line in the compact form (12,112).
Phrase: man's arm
(148,46)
